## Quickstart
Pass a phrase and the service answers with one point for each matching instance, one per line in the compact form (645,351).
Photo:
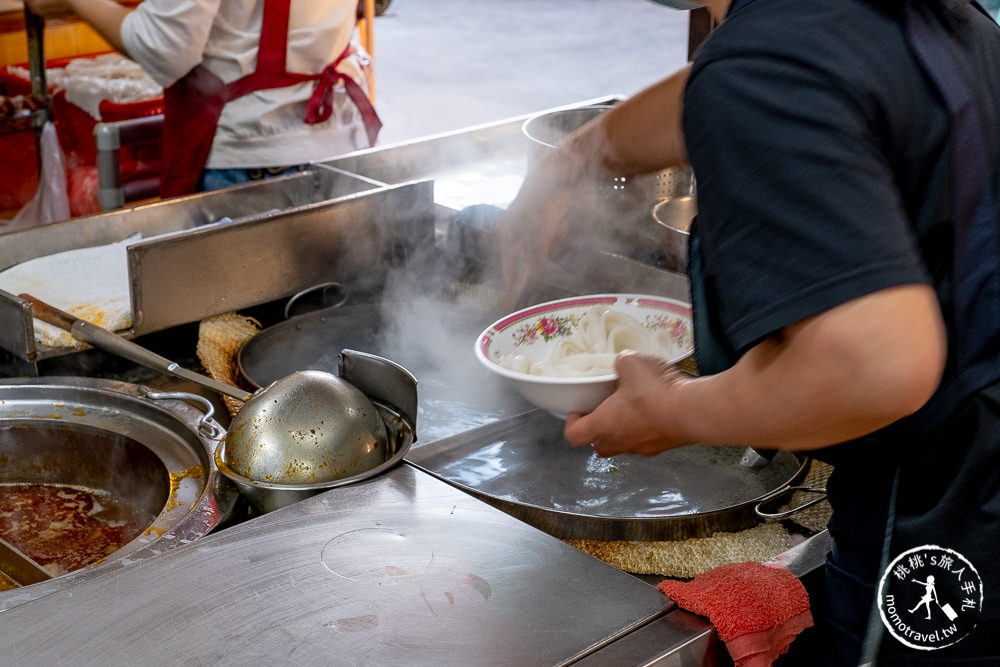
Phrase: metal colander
(546,130)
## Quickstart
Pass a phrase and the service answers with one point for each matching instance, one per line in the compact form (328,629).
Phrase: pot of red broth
(96,473)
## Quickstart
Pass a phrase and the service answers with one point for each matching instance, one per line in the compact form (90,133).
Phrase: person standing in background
(251,87)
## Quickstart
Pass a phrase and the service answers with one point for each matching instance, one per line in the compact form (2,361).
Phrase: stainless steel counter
(400,570)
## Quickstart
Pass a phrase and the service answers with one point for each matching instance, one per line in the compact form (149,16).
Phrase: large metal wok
(524,467)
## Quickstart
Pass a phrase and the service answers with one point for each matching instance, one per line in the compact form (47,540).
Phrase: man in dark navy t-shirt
(846,290)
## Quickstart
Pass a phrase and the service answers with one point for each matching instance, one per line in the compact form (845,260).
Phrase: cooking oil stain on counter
(6,583)
(427,603)
(478,583)
(175,482)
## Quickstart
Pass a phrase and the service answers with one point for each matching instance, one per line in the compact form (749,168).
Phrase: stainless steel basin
(149,458)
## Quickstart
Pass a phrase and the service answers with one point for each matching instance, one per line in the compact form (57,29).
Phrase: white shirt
(266,128)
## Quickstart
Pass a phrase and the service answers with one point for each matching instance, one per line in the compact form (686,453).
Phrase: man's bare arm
(831,378)
(640,135)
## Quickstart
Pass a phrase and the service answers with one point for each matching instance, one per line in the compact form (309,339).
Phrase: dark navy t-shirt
(794,117)
(820,150)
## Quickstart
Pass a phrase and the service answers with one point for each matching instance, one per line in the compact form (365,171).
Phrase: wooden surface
(64,38)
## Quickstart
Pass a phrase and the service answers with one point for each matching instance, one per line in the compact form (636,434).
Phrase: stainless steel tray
(180,213)
(524,467)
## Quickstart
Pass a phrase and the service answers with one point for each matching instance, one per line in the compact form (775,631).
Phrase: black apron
(945,457)
(944,509)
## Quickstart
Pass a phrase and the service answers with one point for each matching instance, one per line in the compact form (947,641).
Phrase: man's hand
(532,228)
(637,417)
(831,378)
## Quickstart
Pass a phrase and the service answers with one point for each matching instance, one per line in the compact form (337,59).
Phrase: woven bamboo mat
(688,558)
(219,341)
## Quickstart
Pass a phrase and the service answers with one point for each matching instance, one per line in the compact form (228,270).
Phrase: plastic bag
(51,202)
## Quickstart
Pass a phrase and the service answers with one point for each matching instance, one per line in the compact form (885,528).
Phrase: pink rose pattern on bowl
(533,331)
(550,327)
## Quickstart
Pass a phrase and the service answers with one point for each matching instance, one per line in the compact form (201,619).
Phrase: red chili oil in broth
(65,528)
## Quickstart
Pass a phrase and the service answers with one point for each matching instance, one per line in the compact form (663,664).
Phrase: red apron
(192,106)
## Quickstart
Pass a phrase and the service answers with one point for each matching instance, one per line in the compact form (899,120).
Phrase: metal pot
(392,390)
(546,130)
(150,451)
(266,497)
(673,217)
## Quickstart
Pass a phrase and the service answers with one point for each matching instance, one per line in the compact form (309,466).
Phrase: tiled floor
(442,65)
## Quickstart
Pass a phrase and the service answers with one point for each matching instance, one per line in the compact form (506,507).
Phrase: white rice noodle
(591,348)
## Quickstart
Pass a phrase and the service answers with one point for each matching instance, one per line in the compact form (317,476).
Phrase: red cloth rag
(757,609)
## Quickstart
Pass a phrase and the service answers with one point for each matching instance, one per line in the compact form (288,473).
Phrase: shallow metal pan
(524,467)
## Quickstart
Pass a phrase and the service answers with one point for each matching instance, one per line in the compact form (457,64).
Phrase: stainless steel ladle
(305,428)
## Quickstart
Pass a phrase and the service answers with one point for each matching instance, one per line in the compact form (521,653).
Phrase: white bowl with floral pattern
(531,334)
